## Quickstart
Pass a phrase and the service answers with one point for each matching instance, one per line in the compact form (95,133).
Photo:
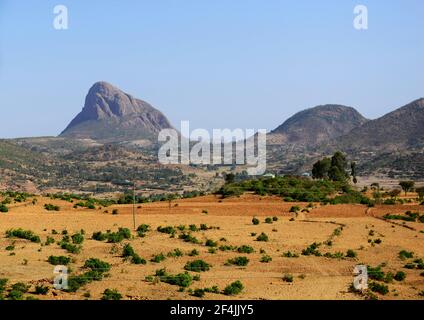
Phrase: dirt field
(314,277)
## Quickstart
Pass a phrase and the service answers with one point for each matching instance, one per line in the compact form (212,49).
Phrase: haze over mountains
(101,145)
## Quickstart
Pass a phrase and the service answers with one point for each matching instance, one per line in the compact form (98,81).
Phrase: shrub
(197,266)
(255,221)
(168,230)
(42,290)
(142,229)
(245,249)
(77,238)
(176,253)
(288,278)
(97,265)
(3,283)
(115,212)
(294,209)
(403,255)
(266,259)
(351,254)
(234,288)
(268,220)
(290,254)
(158,258)
(71,248)
(4,208)
(312,250)
(59,260)
(49,241)
(375,273)
(379,288)
(22,234)
(116,237)
(186,237)
(128,251)
(182,280)
(99,236)
(238,261)
(51,207)
(275,219)
(111,294)
(10,248)
(136,259)
(400,276)
(211,243)
(200,293)
(193,253)
(262,237)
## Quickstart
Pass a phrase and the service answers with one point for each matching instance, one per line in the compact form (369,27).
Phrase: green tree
(321,168)
(420,192)
(338,167)
(407,186)
(353,172)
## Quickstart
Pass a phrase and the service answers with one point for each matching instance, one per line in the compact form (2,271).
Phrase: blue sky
(217,63)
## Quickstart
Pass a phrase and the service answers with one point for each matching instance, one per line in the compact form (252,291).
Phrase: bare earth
(314,277)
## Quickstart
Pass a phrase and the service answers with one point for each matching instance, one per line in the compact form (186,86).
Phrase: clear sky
(217,63)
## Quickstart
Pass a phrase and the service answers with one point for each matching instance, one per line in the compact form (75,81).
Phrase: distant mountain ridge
(397,130)
(111,115)
(317,125)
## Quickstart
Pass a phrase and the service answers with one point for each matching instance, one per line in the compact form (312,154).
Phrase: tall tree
(407,186)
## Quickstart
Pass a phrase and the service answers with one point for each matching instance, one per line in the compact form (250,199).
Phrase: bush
(290,254)
(351,254)
(193,253)
(262,237)
(128,251)
(266,259)
(255,221)
(288,278)
(245,249)
(186,237)
(238,261)
(275,219)
(403,255)
(211,243)
(97,265)
(197,266)
(42,290)
(110,294)
(4,208)
(400,276)
(200,293)
(51,207)
(268,220)
(379,288)
(375,273)
(175,253)
(312,250)
(77,238)
(158,258)
(183,280)
(59,260)
(99,236)
(22,234)
(234,288)
(116,237)
(115,212)
(142,229)
(168,230)
(294,209)
(71,248)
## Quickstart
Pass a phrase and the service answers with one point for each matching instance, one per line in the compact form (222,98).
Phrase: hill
(111,115)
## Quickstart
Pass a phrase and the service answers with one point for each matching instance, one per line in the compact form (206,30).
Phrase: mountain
(399,130)
(111,115)
(317,125)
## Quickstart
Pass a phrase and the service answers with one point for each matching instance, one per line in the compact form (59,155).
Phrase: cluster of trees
(334,169)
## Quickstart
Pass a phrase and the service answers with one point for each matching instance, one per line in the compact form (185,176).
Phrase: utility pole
(134,204)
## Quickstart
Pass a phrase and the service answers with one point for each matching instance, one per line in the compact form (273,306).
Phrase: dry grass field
(338,228)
